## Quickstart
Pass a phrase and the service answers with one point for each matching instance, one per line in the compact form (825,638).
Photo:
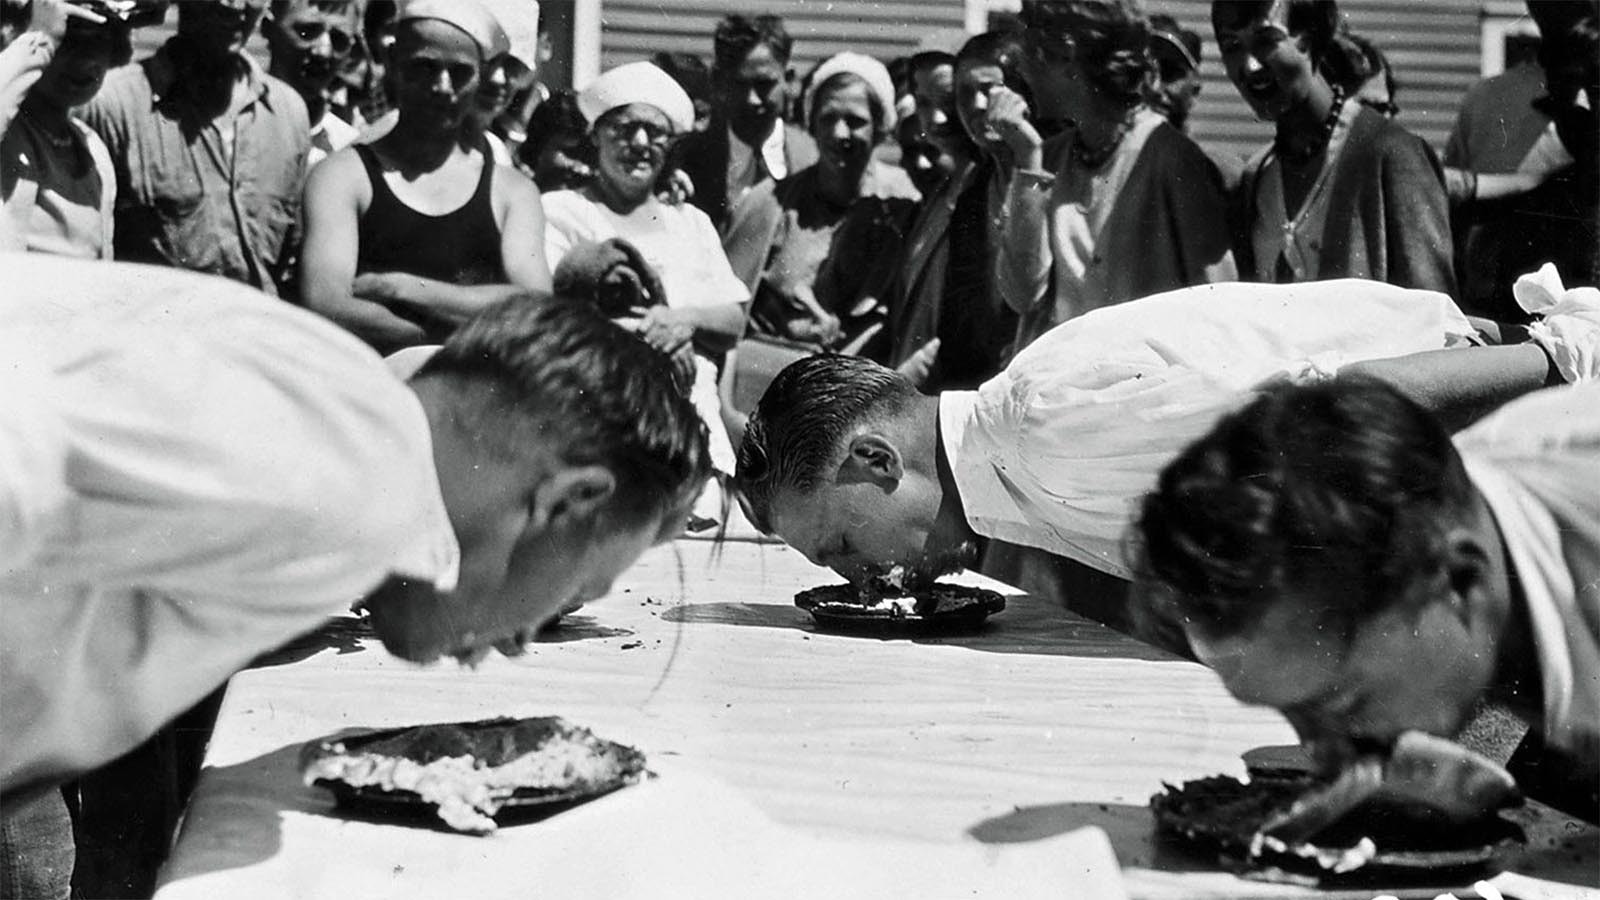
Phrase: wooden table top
(979,746)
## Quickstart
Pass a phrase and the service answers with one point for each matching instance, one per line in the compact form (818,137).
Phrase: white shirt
(1056,451)
(679,242)
(191,473)
(1536,462)
(330,135)
(681,245)
(742,158)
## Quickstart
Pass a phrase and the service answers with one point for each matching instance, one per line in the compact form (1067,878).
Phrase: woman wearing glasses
(635,111)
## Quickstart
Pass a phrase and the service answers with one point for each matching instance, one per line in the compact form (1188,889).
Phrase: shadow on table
(243,804)
(1130,828)
(755,615)
(570,628)
(341,634)
(1029,627)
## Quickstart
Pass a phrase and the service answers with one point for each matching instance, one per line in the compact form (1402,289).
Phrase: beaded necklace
(1329,122)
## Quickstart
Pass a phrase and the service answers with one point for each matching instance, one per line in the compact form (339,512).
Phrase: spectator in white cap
(809,277)
(413,233)
(634,113)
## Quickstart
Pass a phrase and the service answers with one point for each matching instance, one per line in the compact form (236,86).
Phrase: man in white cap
(415,232)
(634,112)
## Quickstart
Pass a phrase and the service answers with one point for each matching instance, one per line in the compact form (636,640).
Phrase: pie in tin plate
(469,776)
(1377,841)
(943,608)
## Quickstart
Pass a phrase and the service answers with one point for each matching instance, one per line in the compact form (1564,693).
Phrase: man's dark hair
(1111,38)
(737,35)
(798,427)
(688,70)
(1345,483)
(1318,20)
(556,373)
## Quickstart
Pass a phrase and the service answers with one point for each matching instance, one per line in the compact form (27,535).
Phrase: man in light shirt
(1333,554)
(191,475)
(849,465)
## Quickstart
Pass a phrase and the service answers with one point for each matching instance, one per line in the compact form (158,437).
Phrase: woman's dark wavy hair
(1007,50)
(799,426)
(1111,37)
(554,373)
(1318,21)
(1345,478)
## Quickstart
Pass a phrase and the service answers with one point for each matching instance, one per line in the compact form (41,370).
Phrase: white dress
(681,245)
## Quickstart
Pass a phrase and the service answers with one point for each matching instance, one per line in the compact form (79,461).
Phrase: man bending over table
(191,475)
(1331,554)
(846,462)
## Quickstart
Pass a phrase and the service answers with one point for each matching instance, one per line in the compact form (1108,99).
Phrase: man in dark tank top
(416,231)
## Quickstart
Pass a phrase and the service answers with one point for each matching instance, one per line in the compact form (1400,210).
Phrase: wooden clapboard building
(1438,47)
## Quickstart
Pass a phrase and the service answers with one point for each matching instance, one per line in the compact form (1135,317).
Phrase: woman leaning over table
(1342,191)
(56,178)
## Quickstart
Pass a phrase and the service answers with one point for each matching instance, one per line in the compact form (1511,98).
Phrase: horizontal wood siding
(635,29)
(1432,44)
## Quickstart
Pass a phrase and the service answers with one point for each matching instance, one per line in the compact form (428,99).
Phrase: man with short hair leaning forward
(191,475)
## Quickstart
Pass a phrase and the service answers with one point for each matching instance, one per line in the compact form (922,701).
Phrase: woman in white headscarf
(786,231)
(634,111)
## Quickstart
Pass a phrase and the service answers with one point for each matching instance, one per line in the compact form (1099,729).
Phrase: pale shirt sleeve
(1022,273)
(564,227)
(721,285)
(1536,462)
(1568,327)
(1061,446)
(33,460)
(236,470)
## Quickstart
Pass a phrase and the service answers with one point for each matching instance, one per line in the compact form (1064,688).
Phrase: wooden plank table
(982,755)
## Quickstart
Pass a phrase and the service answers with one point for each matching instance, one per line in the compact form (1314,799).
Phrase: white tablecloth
(790,763)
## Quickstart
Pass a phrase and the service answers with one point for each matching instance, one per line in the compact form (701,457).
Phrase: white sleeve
(33,465)
(561,228)
(1569,325)
(722,285)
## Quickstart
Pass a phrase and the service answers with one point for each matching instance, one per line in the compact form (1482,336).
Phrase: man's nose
(754,98)
(1251,64)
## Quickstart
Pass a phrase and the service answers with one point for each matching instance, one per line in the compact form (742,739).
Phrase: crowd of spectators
(398,168)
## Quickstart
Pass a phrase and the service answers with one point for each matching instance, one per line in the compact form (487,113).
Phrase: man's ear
(874,458)
(571,494)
